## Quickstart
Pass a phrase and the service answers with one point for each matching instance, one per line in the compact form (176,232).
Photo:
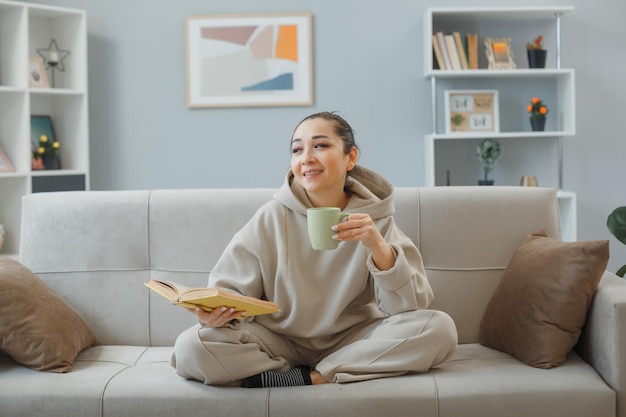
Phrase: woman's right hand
(219,317)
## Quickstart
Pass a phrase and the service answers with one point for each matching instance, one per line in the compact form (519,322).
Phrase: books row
(454,51)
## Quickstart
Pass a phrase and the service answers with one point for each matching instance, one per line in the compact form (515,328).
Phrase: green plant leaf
(620,272)
(616,223)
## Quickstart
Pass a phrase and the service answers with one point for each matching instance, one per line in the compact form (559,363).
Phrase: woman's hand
(219,317)
(358,226)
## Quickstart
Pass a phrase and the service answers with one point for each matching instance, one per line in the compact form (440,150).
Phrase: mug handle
(343,216)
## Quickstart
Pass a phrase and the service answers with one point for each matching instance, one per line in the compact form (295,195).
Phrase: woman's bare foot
(317,378)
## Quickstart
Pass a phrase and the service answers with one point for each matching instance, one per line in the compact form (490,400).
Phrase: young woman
(350,314)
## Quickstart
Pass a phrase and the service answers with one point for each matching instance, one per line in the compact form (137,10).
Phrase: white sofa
(97,249)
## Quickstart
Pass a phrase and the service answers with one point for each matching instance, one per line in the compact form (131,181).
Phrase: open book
(210,298)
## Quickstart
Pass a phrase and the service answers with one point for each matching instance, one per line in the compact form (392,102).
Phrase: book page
(210,298)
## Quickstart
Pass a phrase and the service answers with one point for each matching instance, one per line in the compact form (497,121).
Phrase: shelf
(494,73)
(450,157)
(24,28)
(515,88)
(499,13)
(56,172)
(9,89)
(14,174)
(520,24)
(56,91)
(499,135)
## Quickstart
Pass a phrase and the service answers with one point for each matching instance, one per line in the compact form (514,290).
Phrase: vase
(537,58)
(538,125)
(485,182)
(50,162)
(528,181)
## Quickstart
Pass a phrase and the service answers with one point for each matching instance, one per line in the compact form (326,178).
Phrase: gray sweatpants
(408,342)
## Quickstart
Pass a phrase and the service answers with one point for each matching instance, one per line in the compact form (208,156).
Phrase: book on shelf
(211,298)
(454,55)
(444,50)
(461,49)
(438,53)
(472,50)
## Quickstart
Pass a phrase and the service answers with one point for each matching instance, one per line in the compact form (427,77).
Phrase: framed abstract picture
(249,60)
(471,111)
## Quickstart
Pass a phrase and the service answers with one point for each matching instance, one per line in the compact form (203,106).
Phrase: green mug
(320,220)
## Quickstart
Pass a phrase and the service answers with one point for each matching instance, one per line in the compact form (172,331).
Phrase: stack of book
(454,51)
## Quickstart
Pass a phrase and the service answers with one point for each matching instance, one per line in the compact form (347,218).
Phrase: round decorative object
(538,125)
(537,58)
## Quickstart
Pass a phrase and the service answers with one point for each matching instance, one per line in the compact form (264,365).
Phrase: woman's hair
(342,128)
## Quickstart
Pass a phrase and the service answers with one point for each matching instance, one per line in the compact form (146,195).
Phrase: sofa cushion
(537,312)
(38,329)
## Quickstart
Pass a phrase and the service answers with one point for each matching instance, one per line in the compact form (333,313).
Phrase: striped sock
(298,376)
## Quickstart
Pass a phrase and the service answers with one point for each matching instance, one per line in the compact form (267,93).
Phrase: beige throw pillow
(38,329)
(537,312)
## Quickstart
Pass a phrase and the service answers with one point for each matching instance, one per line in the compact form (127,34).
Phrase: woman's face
(318,161)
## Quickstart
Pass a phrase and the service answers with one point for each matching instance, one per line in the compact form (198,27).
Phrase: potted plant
(616,223)
(488,152)
(457,120)
(46,154)
(536,53)
(538,112)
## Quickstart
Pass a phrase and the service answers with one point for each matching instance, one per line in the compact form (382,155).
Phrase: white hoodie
(322,294)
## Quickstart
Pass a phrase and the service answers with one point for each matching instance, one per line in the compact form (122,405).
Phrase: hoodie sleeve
(247,258)
(238,269)
(404,287)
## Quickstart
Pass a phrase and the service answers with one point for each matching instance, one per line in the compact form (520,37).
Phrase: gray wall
(367,65)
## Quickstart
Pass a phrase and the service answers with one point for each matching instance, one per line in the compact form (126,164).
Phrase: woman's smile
(312,173)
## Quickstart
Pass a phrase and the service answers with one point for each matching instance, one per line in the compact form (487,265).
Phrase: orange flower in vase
(536,53)
(538,112)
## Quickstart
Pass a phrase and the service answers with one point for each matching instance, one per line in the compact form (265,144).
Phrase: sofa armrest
(603,341)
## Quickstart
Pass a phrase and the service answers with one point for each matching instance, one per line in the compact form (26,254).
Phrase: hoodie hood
(371,193)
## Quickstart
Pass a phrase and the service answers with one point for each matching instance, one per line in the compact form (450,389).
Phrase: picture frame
(41,125)
(476,111)
(5,162)
(37,76)
(499,53)
(249,60)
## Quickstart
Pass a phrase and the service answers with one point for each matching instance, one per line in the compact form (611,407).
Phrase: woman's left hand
(359,226)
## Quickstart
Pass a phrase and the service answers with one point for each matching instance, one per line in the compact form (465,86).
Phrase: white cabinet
(450,158)
(24,28)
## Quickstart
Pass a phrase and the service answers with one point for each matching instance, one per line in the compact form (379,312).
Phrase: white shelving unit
(451,156)
(24,28)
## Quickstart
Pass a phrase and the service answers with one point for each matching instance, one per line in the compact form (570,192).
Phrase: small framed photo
(5,163)
(36,73)
(471,111)
(499,54)
(249,60)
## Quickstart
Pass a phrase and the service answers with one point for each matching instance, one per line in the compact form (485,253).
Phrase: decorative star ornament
(53,57)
